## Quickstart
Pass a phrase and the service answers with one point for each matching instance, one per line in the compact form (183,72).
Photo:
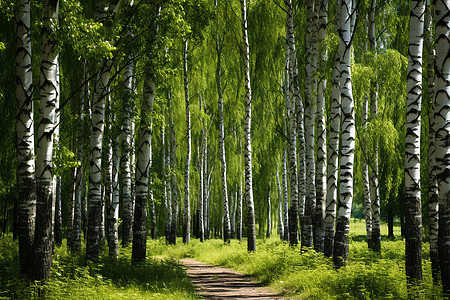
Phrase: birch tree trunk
(187,207)
(280,206)
(79,183)
(333,158)
(433,204)
(321,173)
(293,85)
(285,199)
(173,179)
(365,175)
(269,216)
(26,179)
(125,160)
(167,191)
(341,240)
(442,133)
(251,229)
(375,243)
(43,239)
(95,172)
(413,214)
(144,161)
(223,163)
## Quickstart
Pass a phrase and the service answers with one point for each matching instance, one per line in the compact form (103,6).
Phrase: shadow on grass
(153,275)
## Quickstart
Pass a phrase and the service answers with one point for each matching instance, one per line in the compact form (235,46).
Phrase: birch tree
(251,229)
(223,162)
(375,243)
(43,239)
(144,161)
(187,205)
(413,214)
(310,102)
(333,157)
(293,84)
(25,136)
(341,240)
(321,173)
(442,133)
(433,204)
(125,159)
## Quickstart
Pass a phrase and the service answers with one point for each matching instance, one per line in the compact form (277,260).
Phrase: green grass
(297,274)
(309,275)
(108,279)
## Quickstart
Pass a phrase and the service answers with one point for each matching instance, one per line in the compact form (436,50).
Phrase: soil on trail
(213,282)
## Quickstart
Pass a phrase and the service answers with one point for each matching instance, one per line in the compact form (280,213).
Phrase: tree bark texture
(26,179)
(341,240)
(251,228)
(49,94)
(413,214)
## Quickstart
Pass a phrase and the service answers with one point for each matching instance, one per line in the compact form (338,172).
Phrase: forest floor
(213,282)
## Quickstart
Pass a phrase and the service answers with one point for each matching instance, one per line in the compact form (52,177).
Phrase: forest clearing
(302,142)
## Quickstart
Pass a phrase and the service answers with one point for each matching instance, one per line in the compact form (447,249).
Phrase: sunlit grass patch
(118,278)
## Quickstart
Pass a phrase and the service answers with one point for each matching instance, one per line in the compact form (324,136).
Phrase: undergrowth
(297,273)
(118,278)
(305,274)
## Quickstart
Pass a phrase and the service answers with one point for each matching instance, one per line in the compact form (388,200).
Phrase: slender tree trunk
(321,171)
(56,206)
(43,239)
(95,184)
(285,199)
(113,212)
(413,206)
(187,205)
(125,160)
(58,213)
(433,204)
(25,137)
(269,216)
(333,158)
(167,191)
(284,159)
(341,240)
(201,165)
(71,206)
(77,215)
(239,210)
(144,161)
(280,206)
(251,229)
(442,133)
(223,163)
(375,243)
(293,85)
(173,179)
(310,100)
(365,175)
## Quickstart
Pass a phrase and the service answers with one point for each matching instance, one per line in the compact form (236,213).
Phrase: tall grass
(305,274)
(71,278)
(298,273)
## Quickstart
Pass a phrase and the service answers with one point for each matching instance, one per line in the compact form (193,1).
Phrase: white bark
(365,175)
(26,179)
(413,215)
(293,124)
(321,170)
(442,133)
(95,157)
(187,207)
(251,229)
(341,240)
(125,161)
(49,89)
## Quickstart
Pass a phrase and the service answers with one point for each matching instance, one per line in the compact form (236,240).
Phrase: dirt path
(220,283)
